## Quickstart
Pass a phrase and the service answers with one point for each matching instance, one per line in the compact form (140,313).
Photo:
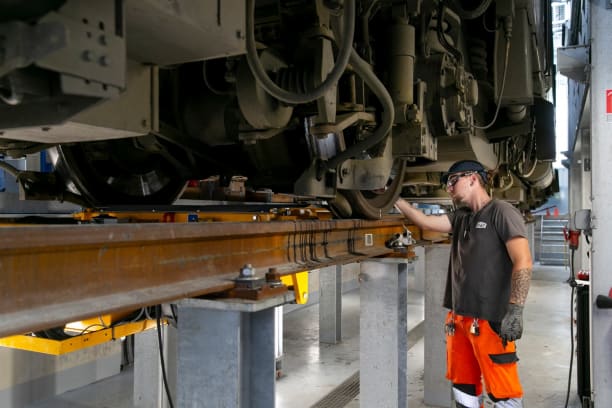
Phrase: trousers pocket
(504,358)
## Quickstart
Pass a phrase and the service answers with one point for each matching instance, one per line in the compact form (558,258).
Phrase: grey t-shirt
(480,269)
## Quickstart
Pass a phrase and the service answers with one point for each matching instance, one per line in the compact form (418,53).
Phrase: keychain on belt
(474,329)
(449,328)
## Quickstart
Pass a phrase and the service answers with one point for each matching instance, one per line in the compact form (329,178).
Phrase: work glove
(512,324)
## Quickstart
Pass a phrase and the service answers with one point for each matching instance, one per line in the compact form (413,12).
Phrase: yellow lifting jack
(79,335)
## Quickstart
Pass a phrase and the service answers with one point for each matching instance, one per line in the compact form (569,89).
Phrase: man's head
(464,168)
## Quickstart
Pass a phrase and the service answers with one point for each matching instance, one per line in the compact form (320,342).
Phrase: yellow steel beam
(78,342)
(51,275)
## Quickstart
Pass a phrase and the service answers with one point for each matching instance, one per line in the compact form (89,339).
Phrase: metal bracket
(401,242)
(22,44)
(573,61)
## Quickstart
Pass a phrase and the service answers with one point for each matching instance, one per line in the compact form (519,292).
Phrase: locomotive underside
(354,102)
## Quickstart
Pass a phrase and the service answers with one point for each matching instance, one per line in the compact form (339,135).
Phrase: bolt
(87,55)
(104,61)
(247,271)
(102,39)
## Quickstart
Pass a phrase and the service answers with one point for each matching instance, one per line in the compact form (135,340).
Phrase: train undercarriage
(355,102)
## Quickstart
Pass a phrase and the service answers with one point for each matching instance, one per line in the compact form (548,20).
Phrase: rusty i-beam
(52,274)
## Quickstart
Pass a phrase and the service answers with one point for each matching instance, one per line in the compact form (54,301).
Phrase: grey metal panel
(518,88)
(133,113)
(601,278)
(95,52)
(578,99)
(184,30)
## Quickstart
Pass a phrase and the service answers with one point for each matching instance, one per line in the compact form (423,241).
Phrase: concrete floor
(312,370)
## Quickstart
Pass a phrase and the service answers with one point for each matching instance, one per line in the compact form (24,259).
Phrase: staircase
(550,245)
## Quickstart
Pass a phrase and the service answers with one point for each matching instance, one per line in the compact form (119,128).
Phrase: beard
(458,202)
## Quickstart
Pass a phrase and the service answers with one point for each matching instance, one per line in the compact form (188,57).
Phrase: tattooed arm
(518,249)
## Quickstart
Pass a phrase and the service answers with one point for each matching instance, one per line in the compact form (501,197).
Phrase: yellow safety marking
(299,282)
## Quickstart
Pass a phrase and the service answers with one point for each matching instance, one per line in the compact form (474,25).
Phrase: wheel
(134,171)
(374,204)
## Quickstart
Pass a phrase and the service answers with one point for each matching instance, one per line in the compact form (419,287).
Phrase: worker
(488,279)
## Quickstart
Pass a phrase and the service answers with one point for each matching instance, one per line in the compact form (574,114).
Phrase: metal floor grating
(341,395)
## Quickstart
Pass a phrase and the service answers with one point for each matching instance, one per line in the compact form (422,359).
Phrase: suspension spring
(478,58)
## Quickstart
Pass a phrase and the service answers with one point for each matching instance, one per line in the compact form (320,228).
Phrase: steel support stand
(330,304)
(226,353)
(437,389)
(278,339)
(419,269)
(383,333)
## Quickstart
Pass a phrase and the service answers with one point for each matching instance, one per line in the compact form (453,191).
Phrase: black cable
(174,313)
(161,356)
(573,285)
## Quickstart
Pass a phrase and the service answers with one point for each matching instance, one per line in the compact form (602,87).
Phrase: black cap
(466,165)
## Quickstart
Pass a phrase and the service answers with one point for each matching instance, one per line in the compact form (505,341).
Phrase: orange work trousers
(471,358)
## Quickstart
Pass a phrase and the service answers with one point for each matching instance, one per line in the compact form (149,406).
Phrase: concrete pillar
(437,389)
(330,304)
(383,333)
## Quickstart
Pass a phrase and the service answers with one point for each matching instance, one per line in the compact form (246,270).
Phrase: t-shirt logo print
(481,225)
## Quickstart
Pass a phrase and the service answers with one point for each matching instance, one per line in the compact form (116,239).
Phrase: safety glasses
(454,178)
